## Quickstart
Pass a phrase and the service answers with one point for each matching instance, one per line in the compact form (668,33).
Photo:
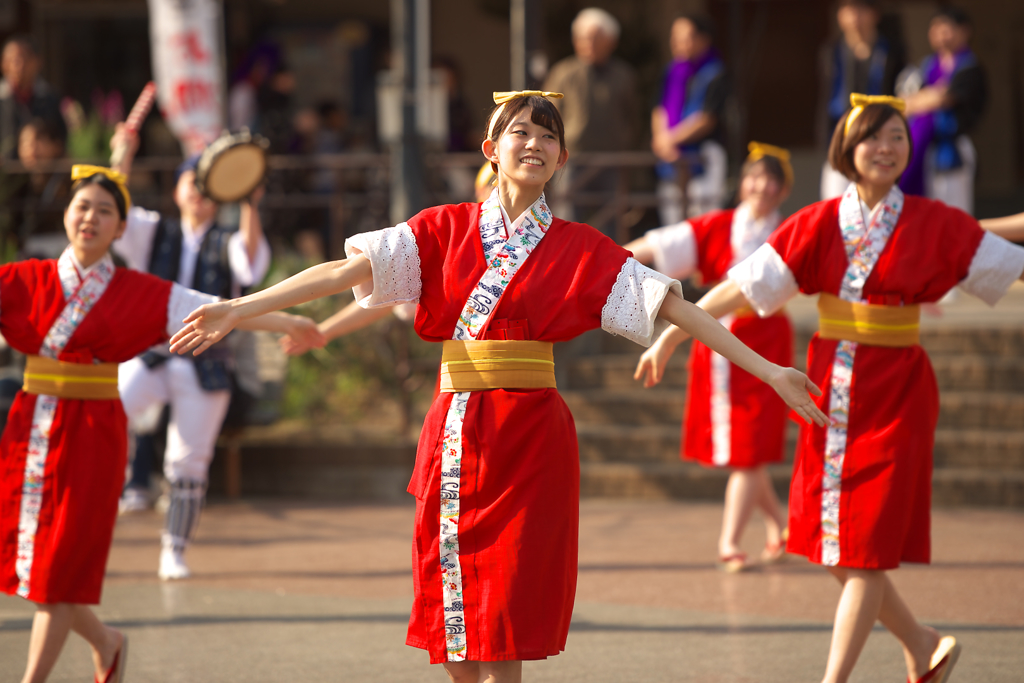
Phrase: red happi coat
(520,465)
(85,462)
(885,497)
(733,419)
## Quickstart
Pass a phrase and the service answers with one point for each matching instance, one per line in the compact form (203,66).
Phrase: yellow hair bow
(760,150)
(859,101)
(80,171)
(501,98)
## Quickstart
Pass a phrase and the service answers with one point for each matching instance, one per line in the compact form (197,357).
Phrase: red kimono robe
(732,419)
(495,547)
(63,460)
(861,489)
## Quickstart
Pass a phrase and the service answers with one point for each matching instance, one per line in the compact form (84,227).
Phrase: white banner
(187,68)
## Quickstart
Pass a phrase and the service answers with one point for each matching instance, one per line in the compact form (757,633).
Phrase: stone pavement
(287,590)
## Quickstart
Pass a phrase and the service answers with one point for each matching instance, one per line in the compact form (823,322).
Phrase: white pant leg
(144,393)
(706,192)
(196,419)
(954,188)
(833,183)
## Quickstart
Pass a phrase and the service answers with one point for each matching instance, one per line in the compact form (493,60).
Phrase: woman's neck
(872,194)
(515,198)
(87,260)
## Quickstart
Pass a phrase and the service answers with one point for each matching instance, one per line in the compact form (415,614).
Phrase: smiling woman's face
(882,157)
(92,223)
(527,153)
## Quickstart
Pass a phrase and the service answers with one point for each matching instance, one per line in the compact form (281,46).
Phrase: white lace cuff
(996,264)
(635,300)
(765,280)
(675,249)
(182,302)
(395,261)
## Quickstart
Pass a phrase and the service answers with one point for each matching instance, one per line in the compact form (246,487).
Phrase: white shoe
(172,565)
(133,500)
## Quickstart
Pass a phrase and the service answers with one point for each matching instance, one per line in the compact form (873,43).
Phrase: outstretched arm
(1007,227)
(723,299)
(209,324)
(792,385)
(299,328)
(349,319)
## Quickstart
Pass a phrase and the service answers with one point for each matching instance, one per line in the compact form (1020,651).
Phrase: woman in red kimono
(497,470)
(732,419)
(64,448)
(861,492)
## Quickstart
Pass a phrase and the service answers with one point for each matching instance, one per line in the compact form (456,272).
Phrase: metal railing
(338,195)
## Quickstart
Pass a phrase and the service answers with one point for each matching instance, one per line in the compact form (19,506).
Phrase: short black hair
(45,128)
(952,14)
(108,185)
(704,24)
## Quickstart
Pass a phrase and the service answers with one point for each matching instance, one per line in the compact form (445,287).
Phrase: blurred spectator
(274,101)
(862,61)
(24,96)
(252,74)
(945,98)
(687,124)
(600,109)
(35,201)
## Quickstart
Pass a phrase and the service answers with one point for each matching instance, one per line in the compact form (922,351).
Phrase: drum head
(235,173)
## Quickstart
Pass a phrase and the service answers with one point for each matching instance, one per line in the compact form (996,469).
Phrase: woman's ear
(562,158)
(490,150)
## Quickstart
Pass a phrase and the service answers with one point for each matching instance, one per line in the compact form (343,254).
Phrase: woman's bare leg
(50,627)
(859,607)
(862,590)
(741,495)
(484,672)
(918,641)
(104,640)
(774,522)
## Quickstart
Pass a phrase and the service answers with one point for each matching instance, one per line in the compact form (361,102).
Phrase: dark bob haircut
(953,15)
(702,24)
(869,122)
(108,185)
(771,165)
(544,114)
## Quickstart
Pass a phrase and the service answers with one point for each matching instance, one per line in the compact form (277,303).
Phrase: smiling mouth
(531,161)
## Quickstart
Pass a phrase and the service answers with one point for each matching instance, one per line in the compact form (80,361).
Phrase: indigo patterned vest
(212,276)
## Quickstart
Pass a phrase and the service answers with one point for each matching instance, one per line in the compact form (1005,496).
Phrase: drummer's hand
(204,327)
(796,389)
(123,135)
(303,335)
(256,196)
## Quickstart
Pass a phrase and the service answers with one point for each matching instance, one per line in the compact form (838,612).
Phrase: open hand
(204,327)
(796,390)
(303,335)
(651,368)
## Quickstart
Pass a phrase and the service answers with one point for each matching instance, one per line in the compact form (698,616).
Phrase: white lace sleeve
(995,266)
(635,300)
(182,302)
(675,249)
(765,280)
(395,260)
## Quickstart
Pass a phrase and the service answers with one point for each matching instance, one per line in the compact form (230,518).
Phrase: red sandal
(733,564)
(775,552)
(942,662)
(115,674)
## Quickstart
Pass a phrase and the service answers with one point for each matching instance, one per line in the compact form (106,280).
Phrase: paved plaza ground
(289,591)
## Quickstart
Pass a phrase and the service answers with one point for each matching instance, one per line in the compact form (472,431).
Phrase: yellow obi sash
(70,380)
(868,323)
(479,365)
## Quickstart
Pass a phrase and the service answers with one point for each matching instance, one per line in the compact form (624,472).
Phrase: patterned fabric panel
(32,490)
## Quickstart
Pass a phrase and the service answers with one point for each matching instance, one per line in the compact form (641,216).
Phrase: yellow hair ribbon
(859,101)
(80,171)
(501,98)
(760,150)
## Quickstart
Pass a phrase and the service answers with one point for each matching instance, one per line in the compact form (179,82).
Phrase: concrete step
(950,486)
(664,406)
(952,372)
(980,449)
